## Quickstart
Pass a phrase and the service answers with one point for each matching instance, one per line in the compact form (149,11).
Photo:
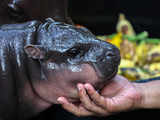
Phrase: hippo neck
(30,100)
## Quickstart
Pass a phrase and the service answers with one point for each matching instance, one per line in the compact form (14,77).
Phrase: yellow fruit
(131,74)
(123,23)
(126,63)
(154,67)
(141,53)
(154,54)
(116,40)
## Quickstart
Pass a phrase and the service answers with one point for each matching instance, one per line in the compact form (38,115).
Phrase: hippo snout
(108,61)
(113,54)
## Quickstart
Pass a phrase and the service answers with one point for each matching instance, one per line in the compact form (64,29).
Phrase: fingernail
(87,86)
(60,100)
(79,87)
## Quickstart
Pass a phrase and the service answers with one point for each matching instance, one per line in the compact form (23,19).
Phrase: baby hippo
(40,62)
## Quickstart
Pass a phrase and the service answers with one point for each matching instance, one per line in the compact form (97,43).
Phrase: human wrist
(141,89)
(150,95)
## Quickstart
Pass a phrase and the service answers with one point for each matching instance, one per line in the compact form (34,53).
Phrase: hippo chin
(40,62)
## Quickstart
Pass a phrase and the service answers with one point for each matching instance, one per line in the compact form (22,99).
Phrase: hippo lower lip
(97,70)
(102,76)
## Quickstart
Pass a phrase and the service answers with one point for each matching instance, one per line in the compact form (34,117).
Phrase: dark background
(57,113)
(101,16)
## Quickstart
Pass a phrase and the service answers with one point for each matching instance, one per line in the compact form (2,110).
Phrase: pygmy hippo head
(69,55)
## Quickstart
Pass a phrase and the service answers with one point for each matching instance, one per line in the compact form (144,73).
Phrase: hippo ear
(34,51)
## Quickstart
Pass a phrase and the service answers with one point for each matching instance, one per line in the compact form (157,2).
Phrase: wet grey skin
(33,53)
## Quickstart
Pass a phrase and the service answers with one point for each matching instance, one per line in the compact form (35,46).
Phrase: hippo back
(13,66)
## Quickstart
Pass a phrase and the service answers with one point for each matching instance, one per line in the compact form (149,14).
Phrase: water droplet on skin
(75,68)
(52,66)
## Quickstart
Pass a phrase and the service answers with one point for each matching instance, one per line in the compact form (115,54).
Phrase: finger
(111,105)
(76,110)
(95,96)
(87,103)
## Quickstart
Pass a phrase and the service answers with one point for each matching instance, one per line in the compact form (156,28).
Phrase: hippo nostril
(110,54)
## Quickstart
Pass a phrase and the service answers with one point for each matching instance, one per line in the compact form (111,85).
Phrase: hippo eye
(77,51)
(73,52)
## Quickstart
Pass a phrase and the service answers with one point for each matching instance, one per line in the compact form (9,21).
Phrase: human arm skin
(150,92)
(118,96)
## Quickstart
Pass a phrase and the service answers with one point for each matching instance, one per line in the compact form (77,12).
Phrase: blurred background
(101,16)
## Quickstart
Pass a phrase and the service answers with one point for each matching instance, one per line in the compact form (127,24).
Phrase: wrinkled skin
(40,62)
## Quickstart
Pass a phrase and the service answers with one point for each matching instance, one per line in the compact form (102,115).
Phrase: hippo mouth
(97,79)
(102,75)
(91,73)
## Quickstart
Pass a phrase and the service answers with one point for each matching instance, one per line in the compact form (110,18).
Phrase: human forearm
(150,92)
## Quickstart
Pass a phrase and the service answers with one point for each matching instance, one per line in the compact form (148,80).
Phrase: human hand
(119,95)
